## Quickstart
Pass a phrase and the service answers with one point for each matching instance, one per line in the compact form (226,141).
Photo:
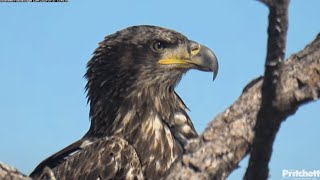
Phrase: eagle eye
(158,46)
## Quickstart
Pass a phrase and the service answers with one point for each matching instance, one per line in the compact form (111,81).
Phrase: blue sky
(44,48)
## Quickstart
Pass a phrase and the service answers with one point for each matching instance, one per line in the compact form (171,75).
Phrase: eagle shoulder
(104,158)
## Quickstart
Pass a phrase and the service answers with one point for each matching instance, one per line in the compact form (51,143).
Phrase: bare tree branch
(271,112)
(9,173)
(228,138)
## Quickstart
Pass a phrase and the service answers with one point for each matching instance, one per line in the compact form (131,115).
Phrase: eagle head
(139,59)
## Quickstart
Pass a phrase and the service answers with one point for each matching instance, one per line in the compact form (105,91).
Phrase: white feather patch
(158,127)
(180,118)
(85,143)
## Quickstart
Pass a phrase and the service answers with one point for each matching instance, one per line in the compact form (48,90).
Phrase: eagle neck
(114,110)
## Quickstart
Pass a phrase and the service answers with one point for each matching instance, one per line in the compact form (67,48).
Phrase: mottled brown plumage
(139,125)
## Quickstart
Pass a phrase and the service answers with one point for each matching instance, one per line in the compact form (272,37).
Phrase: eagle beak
(203,58)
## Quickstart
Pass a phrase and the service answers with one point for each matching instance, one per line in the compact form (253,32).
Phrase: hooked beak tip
(206,60)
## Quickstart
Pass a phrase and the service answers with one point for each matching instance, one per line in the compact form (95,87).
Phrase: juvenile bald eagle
(139,125)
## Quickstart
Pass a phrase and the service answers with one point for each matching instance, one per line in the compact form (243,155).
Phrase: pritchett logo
(300,174)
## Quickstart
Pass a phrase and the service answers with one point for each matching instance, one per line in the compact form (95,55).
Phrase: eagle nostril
(194,47)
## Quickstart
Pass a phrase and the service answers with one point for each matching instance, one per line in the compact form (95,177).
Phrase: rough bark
(271,112)
(9,173)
